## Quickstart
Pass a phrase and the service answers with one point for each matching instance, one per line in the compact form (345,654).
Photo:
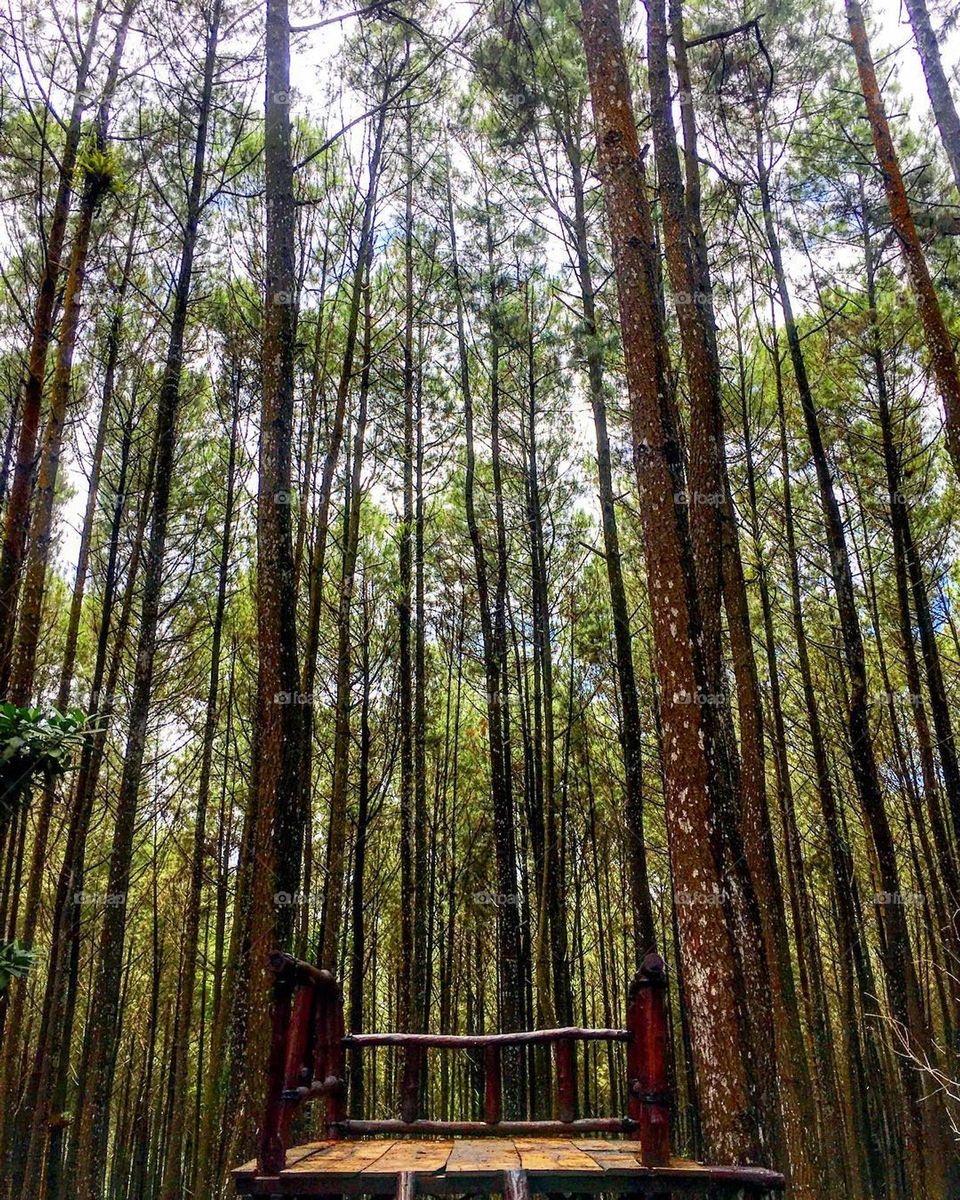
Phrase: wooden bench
(411,1155)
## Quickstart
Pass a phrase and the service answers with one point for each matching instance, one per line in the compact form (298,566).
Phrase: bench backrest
(308,1061)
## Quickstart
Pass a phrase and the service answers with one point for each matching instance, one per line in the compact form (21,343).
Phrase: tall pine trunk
(943,358)
(631,732)
(938,86)
(690,730)
(95,186)
(17,515)
(172,1181)
(900,974)
(102,1034)
(551,924)
(337,832)
(864,1069)
(763,952)
(510,982)
(409,918)
(277,815)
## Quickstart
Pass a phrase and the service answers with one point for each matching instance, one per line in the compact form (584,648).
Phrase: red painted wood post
(271,1147)
(491,1085)
(321,1032)
(298,1067)
(647,1083)
(563,1052)
(335,1066)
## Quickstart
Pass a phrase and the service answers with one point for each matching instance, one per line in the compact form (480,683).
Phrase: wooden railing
(308,1061)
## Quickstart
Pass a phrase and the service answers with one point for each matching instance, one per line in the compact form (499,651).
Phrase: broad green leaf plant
(34,742)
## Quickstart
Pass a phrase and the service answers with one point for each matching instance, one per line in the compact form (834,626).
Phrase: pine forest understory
(479,504)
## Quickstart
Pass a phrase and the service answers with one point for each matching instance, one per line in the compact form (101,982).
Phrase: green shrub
(15,962)
(34,742)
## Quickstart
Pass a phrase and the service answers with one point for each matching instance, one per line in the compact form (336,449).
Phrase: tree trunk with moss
(714,988)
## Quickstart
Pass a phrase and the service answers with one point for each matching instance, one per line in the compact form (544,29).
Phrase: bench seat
(513,1166)
(515,1157)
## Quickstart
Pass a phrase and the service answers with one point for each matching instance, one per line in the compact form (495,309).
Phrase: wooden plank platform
(463,1166)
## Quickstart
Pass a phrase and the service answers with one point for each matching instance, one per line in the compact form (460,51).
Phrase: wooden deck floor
(465,1165)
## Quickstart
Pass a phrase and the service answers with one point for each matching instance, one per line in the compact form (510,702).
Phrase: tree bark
(337,833)
(690,730)
(907,572)
(510,982)
(41,525)
(408,881)
(358,946)
(277,814)
(172,1184)
(938,87)
(17,515)
(104,1028)
(112,356)
(551,924)
(809,966)
(631,733)
(772,1008)
(943,359)
(854,960)
(896,953)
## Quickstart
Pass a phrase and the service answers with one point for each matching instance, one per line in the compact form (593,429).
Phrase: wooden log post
(492,1095)
(565,1062)
(515,1185)
(410,1086)
(298,1066)
(271,1145)
(332,1070)
(648,1090)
